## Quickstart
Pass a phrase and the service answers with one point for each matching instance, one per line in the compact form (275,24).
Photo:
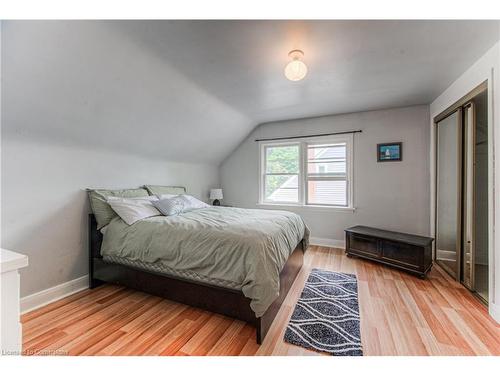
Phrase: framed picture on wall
(390,151)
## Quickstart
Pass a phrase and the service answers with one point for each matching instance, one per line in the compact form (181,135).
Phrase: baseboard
(328,242)
(494,311)
(44,297)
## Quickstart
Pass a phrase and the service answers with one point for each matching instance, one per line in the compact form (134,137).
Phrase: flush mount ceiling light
(295,70)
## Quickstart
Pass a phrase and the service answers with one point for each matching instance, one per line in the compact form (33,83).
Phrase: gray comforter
(247,248)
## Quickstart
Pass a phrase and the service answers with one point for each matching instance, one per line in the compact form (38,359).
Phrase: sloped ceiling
(192,90)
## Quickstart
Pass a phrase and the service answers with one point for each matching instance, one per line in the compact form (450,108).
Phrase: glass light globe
(295,70)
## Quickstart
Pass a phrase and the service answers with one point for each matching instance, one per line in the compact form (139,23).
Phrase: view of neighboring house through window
(311,172)
(327,174)
(282,167)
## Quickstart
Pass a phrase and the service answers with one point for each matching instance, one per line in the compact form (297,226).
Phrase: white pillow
(133,209)
(195,203)
(167,196)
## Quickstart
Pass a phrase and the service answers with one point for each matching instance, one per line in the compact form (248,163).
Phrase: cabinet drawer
(363,245)
(402,254)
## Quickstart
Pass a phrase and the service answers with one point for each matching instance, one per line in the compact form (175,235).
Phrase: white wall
(44,207)
(486,68)
(394,195)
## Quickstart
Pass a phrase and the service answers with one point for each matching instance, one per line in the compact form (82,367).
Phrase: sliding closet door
(448,192)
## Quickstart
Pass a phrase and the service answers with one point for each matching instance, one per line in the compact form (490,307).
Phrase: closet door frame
(469,220)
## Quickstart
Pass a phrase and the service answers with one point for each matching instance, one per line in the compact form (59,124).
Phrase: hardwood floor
(400,315)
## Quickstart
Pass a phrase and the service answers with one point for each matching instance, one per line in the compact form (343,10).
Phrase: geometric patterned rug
(326,317)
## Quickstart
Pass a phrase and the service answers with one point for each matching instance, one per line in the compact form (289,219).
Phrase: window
(313,172)
(281,173)
(327,174)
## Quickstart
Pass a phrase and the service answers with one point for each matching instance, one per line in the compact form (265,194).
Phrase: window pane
(326,152)
(282,159)
(324,168)
(281,188)
(327,192)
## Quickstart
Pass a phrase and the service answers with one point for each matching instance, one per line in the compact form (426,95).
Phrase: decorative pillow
(134,209)
(172,206)
(159,190)
(178,204)
(102,210)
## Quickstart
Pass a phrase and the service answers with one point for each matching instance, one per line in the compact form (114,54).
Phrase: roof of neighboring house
(287,192)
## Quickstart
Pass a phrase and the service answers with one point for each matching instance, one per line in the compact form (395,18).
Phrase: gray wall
(393,195)
(44,209)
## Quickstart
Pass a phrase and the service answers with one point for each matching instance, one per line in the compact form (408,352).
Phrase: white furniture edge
(10,261)
(328,242)
(55,293)
(10,281)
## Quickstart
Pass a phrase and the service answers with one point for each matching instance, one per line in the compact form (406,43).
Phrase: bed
(236,262)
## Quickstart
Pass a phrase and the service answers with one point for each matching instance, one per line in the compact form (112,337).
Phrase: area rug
(326,317)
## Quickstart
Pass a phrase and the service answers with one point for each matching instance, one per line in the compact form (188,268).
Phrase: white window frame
(303,180)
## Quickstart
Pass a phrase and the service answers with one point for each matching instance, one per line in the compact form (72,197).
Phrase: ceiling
(353,65)
(133,85)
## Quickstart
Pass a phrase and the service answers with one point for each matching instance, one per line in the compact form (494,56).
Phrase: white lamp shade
(215,193)
(295,70)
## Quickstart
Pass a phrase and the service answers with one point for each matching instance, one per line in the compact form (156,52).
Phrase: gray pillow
(172,206)
(160,189)
(100,207)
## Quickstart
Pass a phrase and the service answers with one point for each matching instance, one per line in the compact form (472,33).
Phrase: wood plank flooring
(400,315)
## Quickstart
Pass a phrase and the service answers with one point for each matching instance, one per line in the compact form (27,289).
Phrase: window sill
(307,207)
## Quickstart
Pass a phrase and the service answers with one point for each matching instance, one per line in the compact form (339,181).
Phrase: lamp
(295,70)
(216,194)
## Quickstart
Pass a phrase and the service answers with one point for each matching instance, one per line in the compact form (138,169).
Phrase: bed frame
(209,297)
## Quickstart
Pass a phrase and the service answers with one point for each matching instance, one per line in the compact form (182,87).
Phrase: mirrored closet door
(461,212)
(448,192)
